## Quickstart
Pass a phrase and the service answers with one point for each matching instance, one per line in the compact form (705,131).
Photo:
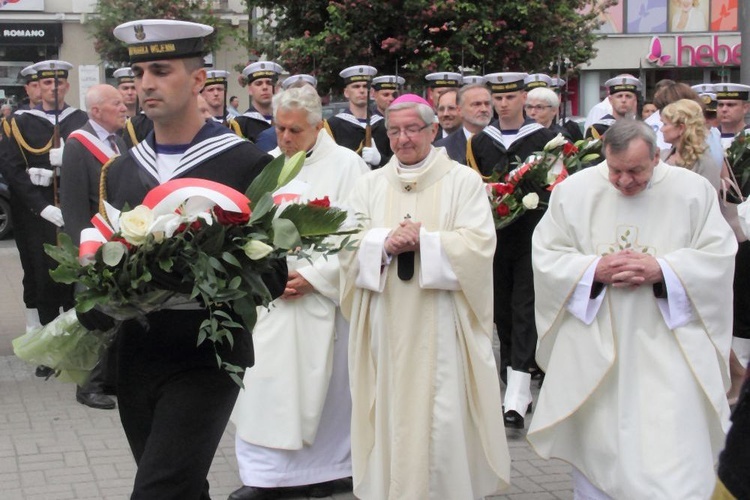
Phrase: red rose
(320,202)
(502,210)
(569,148)
(227,218)
(503,189)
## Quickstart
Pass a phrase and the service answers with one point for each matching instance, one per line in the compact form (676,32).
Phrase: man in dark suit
(87,149)
(475,108)
(174,399)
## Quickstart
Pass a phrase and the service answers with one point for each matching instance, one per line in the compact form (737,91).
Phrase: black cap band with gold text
(51,73)
(215,81)
(385,86)
(357,78)
(257,75)
(174,49)
(499,88)
(536,84)
(442,84)
(31,78)
(125,79)
(732,95)
(623,87)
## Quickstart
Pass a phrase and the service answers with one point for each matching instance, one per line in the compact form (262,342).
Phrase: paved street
(51,447)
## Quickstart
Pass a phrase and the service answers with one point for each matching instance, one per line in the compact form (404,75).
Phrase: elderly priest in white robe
(426,411)
(633,266)
(293,415)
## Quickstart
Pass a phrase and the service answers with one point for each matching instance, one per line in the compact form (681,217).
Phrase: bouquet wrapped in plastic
(191,242)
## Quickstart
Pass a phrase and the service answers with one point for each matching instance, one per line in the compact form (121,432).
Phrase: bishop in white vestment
(426,411)
(637,369)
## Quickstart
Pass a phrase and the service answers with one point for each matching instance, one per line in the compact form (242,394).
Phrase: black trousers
(734,461)
(174,404)
(103,377)
(21,226)
(742,291)
(514,295)
(40,290)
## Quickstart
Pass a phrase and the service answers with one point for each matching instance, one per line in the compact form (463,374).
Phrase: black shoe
(96,400)
(513,420)
(253,493)
(321,490)
(44,372)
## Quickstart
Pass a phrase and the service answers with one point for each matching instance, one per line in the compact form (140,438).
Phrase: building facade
(35,30)
(694,41)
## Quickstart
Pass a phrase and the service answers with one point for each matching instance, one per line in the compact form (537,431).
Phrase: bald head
(106,107)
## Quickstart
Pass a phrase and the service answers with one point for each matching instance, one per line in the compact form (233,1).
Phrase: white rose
(256,250)
(556,142)
(135,224)
(530,201)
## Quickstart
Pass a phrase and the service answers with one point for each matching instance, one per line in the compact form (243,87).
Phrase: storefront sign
(687,53)
(30,33)
(21,4)
(713,54)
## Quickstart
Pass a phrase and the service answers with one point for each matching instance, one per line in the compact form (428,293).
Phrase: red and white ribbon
(189,197)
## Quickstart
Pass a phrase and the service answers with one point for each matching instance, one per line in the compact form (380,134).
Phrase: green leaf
(113,253)
(262,207)
(246,308)
(290,169)
(231,259)
(313,221)
(285,234)
(64,275)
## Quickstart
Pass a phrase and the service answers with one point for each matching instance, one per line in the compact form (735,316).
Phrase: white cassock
(634,395)
(293,416)
(426,411)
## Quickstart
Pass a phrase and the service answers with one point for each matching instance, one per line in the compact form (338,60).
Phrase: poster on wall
(688,15)
(611,19)
(647,16)
(723,15)
(21,4)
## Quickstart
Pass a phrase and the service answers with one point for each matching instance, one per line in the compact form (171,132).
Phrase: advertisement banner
(21,4)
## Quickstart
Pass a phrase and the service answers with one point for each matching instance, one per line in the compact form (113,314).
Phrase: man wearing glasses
(425,395)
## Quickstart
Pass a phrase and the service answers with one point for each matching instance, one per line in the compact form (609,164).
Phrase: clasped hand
(628,269)
(405,238)
(296,286)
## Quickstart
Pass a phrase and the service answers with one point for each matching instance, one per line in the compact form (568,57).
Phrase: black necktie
(406,266)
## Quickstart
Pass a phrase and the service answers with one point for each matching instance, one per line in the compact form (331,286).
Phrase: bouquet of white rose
(192,241)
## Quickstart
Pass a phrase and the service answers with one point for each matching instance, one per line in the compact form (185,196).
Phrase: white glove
(53,214)
(56,155)
(41,176)
(371,156)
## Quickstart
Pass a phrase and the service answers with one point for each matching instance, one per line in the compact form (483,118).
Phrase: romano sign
(31,33)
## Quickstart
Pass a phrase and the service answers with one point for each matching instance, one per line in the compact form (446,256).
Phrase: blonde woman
(685,129)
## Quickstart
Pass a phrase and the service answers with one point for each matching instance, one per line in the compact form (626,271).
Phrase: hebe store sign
(707,54)
(692,51)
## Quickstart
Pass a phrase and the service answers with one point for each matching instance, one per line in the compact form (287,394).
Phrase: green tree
(111,13)
(422,36)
